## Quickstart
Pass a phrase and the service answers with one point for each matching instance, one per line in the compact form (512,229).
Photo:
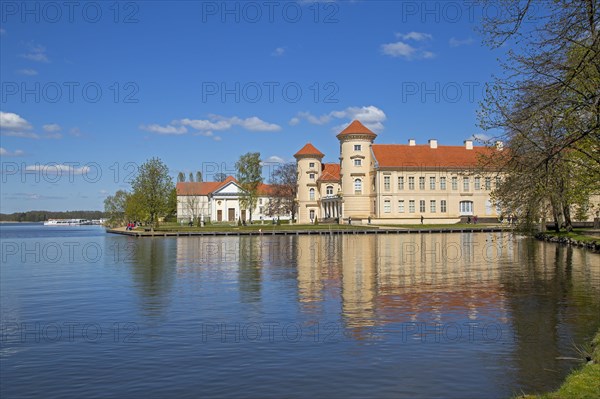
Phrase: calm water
(86,314)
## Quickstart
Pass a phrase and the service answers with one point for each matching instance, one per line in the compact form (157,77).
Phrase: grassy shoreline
(581,383)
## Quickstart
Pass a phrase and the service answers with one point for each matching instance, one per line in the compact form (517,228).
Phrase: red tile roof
(203,188)
(356,128)
(401,155)
(309,149)
(206,188)
(330,172)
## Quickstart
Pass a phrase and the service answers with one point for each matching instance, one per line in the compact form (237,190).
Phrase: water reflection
(525,298)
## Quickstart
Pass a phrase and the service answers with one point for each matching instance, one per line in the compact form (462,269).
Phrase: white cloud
(274,159)
(416,36)
(454,42)
(278,52)
(27,72)
(57,168)
(214,123)
(371,116)
(53,127)
(16,153)
(409,52)
(168,130)
(203,124)
(36,53)
(14,122)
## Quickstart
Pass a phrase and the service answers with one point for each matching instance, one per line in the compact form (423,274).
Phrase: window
(329,190)
(465,184)
(466,207)
(260,201)
(488,183)
(358,162)
(311,176)
(401,183)
(387,206)
(312,214)
(411,206)
(311,194)
(357,147)
(386,183)
(498,181)
(454,183)
(443,206)
(422,206)
(421,183)
(357,186)
(477,184)
(401,206)
(432,183)
(442,183)
(260,210)
(411,183)
(432,206)
(311,165)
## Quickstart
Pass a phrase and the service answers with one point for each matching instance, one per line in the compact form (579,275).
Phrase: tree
(199,177)
(181,177)
(114,206)
(546,106)
(191,178)
(249,172)
(134,208)
(283,190)
(152,188)
(220,176)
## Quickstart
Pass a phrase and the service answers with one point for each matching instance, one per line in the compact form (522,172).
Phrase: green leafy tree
(545,106)
(114,207)
(249,175)
(153,187)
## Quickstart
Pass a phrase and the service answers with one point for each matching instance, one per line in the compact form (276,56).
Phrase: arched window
(311,194)
(357,186)
(329,190)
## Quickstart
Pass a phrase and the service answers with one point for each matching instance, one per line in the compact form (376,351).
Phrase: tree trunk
(567,215)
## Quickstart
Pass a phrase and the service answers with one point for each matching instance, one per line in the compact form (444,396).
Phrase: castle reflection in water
(375,280)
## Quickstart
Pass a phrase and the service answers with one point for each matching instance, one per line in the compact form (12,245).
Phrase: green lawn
(442,226)
(166,227)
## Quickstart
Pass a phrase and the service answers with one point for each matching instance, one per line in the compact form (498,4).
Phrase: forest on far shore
(40,216)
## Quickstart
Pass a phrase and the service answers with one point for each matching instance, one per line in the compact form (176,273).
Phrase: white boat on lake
(67,222)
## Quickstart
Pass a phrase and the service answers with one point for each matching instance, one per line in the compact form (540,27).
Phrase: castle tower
(308,162)
(357,171)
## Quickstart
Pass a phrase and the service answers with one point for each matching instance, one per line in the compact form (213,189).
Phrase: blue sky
(91,91)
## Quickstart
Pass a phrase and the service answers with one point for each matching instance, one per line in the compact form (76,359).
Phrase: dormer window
(357,147)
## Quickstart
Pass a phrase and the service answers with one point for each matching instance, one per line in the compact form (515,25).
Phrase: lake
(470,315)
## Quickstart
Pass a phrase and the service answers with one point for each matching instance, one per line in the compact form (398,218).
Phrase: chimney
(433,143)
(468,144)
(499,145)
(412,142)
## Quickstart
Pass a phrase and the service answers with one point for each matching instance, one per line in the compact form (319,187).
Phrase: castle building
(393,183)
